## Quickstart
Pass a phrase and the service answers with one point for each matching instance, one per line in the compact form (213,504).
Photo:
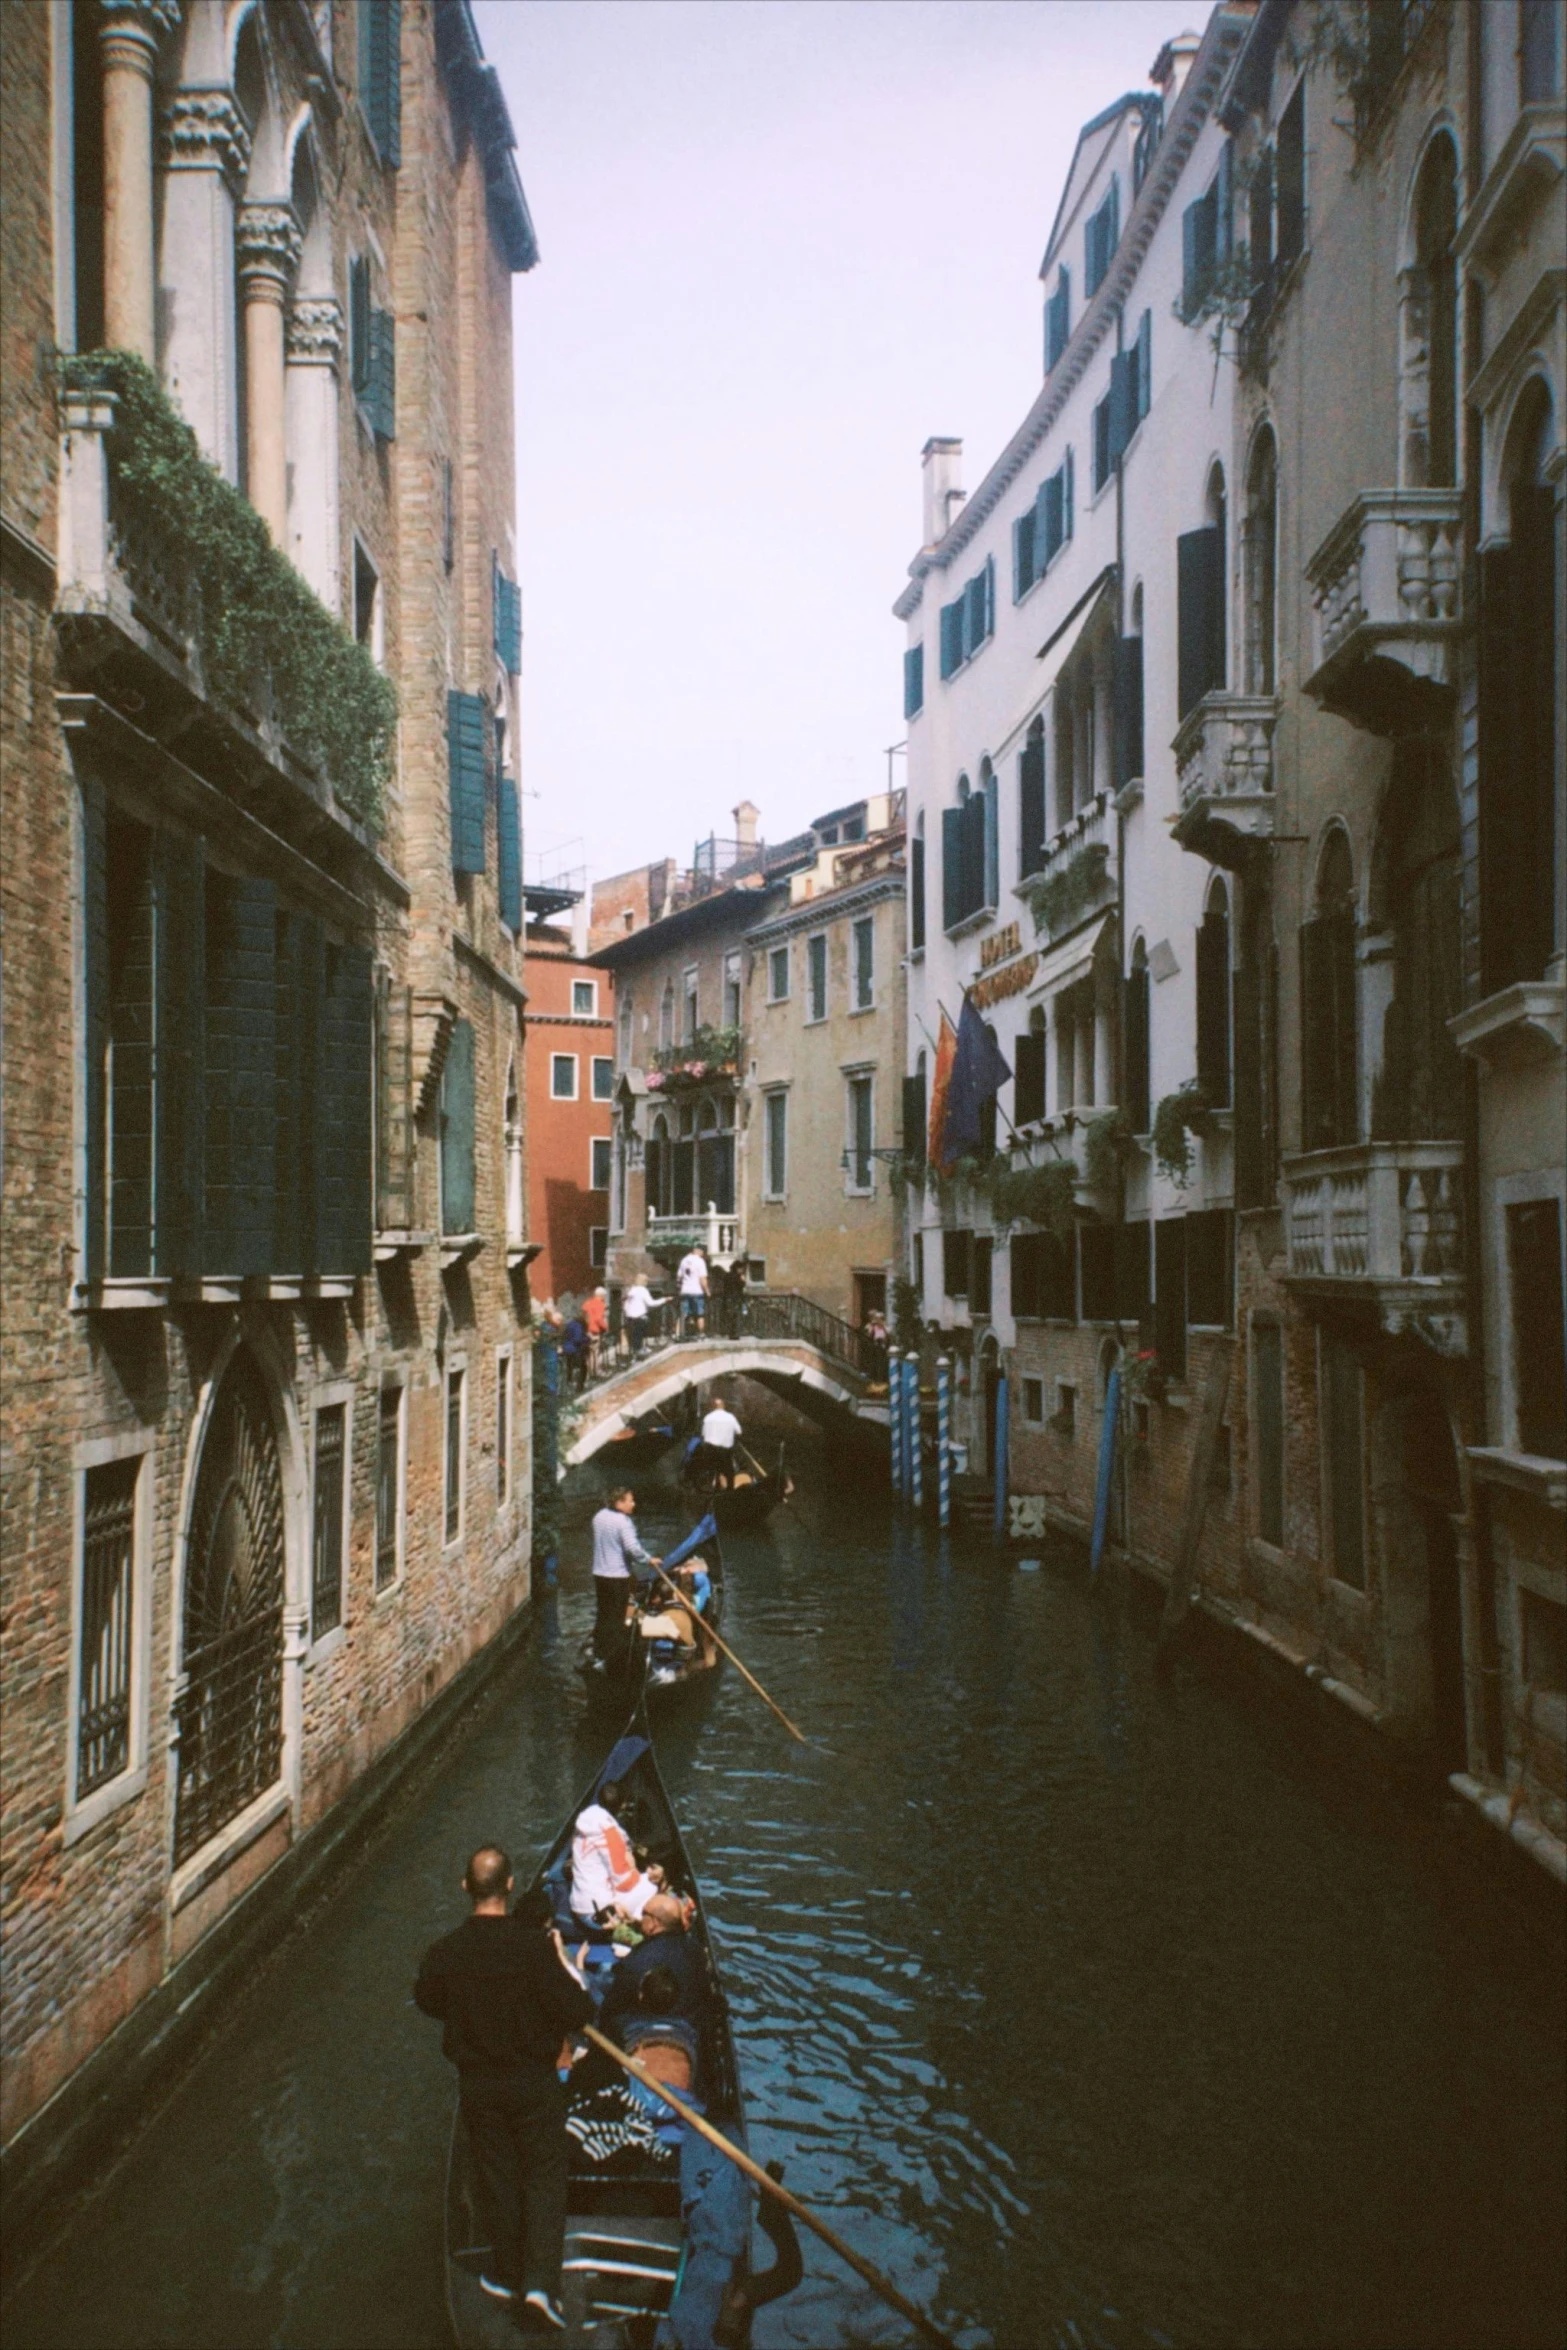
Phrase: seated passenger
(700,1583)
(606,1883)
(657,2034)
(670,1951)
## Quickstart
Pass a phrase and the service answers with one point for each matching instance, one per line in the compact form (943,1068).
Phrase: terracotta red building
(570,1068)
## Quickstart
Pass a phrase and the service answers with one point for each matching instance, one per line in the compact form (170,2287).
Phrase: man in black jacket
(507,1996)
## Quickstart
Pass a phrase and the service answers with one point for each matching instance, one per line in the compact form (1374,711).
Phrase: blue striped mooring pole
(911,1372)
(895,1415)
(943,1441)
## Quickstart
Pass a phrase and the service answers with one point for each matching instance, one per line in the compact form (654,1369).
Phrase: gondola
(658,2229)
(750,1500)
(657,1664)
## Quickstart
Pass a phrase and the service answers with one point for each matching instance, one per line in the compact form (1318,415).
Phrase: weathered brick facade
(128,1837)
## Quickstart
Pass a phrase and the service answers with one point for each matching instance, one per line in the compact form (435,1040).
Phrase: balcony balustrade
(1224,775)
(1077,877)
(718,1236)
(1382,1222)
(1386,584)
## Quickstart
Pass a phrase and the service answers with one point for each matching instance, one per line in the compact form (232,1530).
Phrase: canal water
(1097,2010)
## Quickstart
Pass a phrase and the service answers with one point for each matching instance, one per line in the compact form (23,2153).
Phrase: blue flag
(978,1074)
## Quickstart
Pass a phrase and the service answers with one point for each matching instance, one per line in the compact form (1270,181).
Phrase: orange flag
(946,1054)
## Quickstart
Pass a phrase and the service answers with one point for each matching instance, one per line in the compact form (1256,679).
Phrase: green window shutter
(465,732)
(380,75)
(359,359)
(181,1049)
(917,890)
(132,987)
(952,908)
(457,1132)
(95,925)
(241,1056)
(1123,402)
(952,636)
(913,681)
(300,981)
(1213,1007)
(345,1029)
(1051,494)
(1144,362)
(508,858)
(507,621)
(1169,1269)
(1126,679)
(1066,495)
(1199,615)
(381,398)
(1031,803)
(1023,573)
(974,631)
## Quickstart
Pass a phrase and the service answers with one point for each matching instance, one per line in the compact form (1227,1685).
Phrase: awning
(1063,965)
(1055,653)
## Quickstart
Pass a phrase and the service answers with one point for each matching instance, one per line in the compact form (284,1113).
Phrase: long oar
(720,1642)
(770,2186)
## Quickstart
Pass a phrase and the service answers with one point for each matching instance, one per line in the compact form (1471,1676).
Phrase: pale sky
(783,242)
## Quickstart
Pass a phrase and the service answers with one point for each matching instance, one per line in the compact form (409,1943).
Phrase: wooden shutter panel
(1198,239)
(1224,205)
(1213,1008)
(951,867)
(1169,1257)
(343,1110)
(917,890)
(1031,803)
(1023,571)
(508,623)
(974,631)
(914,1117)
(1067,478)
(241,1052)
(457,1132)
(951,637)
(359,358)
(1144,362)
(1126,681)
(381,398)
(380,75)
(1136,1034)
(302,1093)
(1052,495)
(95,928)
(913,681)
(182,1054)
(1028,1086)
(508,859)
(465,744)
(1290,177)
(1131,1273)
(1123,402)
(132,991)
(974,860)
(1199,615)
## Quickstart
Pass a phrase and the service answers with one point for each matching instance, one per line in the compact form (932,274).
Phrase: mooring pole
(943,1441)
(911,1372)
(895,1414)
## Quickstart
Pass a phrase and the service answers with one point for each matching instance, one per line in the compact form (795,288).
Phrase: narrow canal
(1094,2009)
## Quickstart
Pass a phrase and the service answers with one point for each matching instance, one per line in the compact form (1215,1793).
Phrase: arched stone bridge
(805,1375)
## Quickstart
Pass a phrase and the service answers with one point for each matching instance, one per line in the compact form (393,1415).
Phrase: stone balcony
(1224,774)
(718,1236)
(1379,1225)
(1077,878)
(1386,584)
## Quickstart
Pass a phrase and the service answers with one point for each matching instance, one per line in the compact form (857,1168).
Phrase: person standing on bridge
(507,1995)
(692,1277)
(617,1554)
(720,1435)
(635,1307)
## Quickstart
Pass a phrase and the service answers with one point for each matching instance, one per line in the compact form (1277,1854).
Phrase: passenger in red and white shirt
(604,1872)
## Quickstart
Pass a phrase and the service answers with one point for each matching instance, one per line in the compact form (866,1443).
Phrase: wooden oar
(719,1641)
(771,2186)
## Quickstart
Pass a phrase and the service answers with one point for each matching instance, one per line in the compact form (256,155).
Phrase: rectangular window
(1028,1076)
(106,1631)
(503,1431)
(601,1156)
(455,1432)
(1534,1255)
(1034,1402)
(914,1118)
(816,977)
(1103,462)
(1200,244)
(1044,1278)
(778,975)
(693,1016)
(584,999)
(1100,238)
(1065,1421)
(1210,1248)
(732,991)
(1267,1373)
(1289,180)
(1341,1417)
(968,620)
(326,1557)
(1058,319)
(1169,1271)
(380,75)
(388,1485)
(865,963)
(598,1246)
(603,1078)
(981,1263)
(955,1250)
(917,892)
(456,1124)
(913,681)
(777,1145)
(862,1135)
(563,1077)
(367,603)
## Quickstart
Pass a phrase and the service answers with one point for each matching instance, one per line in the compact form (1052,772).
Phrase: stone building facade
(1328,591)
(571,1093)
(266,1392)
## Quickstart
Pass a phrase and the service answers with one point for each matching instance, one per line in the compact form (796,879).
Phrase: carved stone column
(131,33)
(268,250)
(314,346)
(206,149)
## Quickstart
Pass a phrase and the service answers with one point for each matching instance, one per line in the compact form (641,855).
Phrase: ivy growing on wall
(1106,1141)
(1034,1195)
(1065,897)
(255,615)
(1178,1117)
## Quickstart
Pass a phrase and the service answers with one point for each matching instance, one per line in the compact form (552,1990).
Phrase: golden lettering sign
(1011,979)
(998,948)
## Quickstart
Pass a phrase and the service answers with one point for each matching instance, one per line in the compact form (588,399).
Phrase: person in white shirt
(692,1277)
(635,1306)
(720,1434)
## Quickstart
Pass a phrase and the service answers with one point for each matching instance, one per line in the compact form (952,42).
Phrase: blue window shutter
(508,623)
(1031,803)
(95,925)
(917,890)
(952,908)
(241,1057)
(974,615)
(381,400)
(951,637)
(1067,478)
(182,1073)
(1198,227)
(299,1092)
(1052,502)
(1102,466)
(1043,549)
(508,855)
(359,354)
(1123,403)
(465,731)
(990,595)
(1144,362)
(1200,659)
(1126,675)
(1224,205)
(913,681)
(1112,220)
(380,75)
(1022,555)
(457,1132)
(345,1030)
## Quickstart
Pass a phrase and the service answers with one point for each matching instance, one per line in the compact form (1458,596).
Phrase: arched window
(1135,1030)
(715,1161)
(1523,918)
(658,1168)
(1330,1113)
(666,1017)
(1261,546)
(1031,800)
(1430,337)
(992,797)
(1213,998)
(1417,1093)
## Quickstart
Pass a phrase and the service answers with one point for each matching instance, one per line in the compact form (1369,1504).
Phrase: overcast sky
(783,242)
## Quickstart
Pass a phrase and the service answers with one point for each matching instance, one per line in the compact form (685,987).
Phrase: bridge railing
(785,1314)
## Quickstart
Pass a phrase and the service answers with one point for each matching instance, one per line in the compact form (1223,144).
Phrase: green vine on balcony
(334,707)
(712,1052)
(1061,900)
(1178,1117)
(1045,1195)
(1107,1139)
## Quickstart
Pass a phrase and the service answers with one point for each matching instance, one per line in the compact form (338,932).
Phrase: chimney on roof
(942,461)
(1172,65)
(747,816)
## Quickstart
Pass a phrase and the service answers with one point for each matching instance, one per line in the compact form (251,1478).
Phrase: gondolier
(720,1434)
(617,1555)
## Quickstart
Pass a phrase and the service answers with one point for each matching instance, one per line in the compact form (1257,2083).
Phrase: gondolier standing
(692,1277)
(507,1996)
(617,1554)
(720,1434)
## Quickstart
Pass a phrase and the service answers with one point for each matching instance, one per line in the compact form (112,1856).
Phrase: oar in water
(720,1642)
(771,2186)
